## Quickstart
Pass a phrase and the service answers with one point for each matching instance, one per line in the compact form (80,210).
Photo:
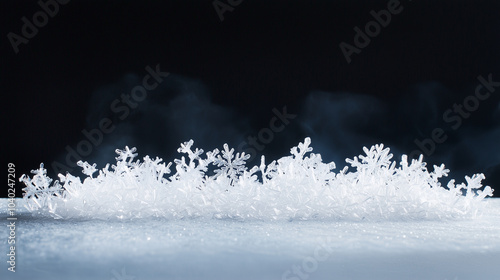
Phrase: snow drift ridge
(217,184)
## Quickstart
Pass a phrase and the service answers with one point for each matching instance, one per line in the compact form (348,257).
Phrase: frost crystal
(299,186)
(232,166)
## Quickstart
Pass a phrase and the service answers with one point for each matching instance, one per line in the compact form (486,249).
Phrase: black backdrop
(408,81)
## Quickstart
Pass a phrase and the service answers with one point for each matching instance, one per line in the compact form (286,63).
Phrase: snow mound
(217,184)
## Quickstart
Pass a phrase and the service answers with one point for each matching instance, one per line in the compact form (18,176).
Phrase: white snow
(296,187)
(157,248)
(294,218)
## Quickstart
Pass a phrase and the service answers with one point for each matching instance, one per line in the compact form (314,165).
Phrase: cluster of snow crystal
(217,184)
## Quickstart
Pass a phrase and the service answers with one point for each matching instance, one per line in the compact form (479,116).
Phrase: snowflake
(129,154)
(231,166)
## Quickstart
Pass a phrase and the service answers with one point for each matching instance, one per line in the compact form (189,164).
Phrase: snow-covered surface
(157,248)
(212,217)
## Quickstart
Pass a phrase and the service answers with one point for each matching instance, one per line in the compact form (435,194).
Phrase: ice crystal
(299,186)
(231,166)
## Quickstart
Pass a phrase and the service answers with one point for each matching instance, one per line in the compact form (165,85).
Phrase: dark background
(227,76)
